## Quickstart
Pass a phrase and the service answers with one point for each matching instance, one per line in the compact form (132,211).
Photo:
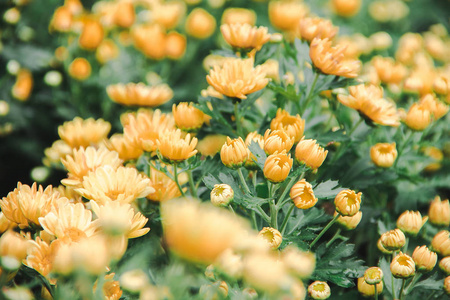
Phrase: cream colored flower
(245,36)
(418,117)
(411,222)
(439,212)
(271,236)
(424,258)
(373,275)
(56,152)
(221,194)
(237,78)
(368,100)
(82,133)
(368,290)
(319,290)
(393,240)
(331,60)
(175,148)
(403,266)
(144,128)
(239,15)
(139,94)
(165,188)
(347,222)
(123,184)
(299,263)
(41,255)
(82,161)
(441,243)
(118,143)
(150,39)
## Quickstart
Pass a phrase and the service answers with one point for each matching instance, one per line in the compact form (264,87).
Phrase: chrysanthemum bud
(277,166)
(91,35)
(187,117)
(403,266)
(349,223)
(447,285)
(80,69)
(410,222)
(175,45)
(299,263)
(444,265)
(234,153)
(310,153)
(134,281)
(174,147)
(368,290)
(348,202)
(292,125)
(271,236)
(319,290)
(222,194)
(200,24)
(381,247)
(441,243)
(303,195)
(21,89)
(239,15)
(346,8)
(418,117)
(383,154)
(393,240)
(373,275)
(424,258)
(439,212)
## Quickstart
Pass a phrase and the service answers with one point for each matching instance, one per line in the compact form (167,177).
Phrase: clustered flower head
(139,94)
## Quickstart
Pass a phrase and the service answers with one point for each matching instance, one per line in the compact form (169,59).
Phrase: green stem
(255,224)
(286,219)
(392,279)
(405,247)
(263,214)
(175,177)
(403,146)
(324,230)
(431,295)
(254,179)
(238,121)
(376,292)
(356,126)
(413,282)
(191,184)
(401,289)
(335,237)
(231,209)
(288,188)
(273,214)
(309,97)
(244,184)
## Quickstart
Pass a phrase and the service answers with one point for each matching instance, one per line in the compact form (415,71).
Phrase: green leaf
(327,189)
(431,283)
(259,153)
(32,273)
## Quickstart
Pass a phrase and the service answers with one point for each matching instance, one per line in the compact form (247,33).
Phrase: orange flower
(21,90)
(121,145)
(403,266)
(310,28)
(61,20)
(124,14)
(168,14)
(331,60)
(418,117)
(106,51)
(347,222)
(439,212)
(277,140)
(165,188)
(150,40)
(383,154)
(271,236)
(424,258)
(80,69)
(91,35)
(388,70)
(308,152)
(277,166)
(303,195)
(187,116)
(393,240)
(245,36)
(234,153)
(237,78)
(175,45)
(348,202)
(285,15)
(410,222)
(369,101)
(346,8)
(211,144)
(175,148)
(292,125)
(83,133)
(200,24)
(234,15)
(139,94)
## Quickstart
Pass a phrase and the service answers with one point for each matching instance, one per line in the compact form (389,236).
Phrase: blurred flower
(303,195)
(436,155)
(122,184)
(346,8)
(111,288)
(13,245)
(393,240)
(299,263)
(277,166)
(175,45)
(165,187)
(61,20)
(410,222)
(403,266)
(253,136)
(271,68)
(21,89)
(53,78)
(294,126)
(424,258)
(80,69)
(134,281)
(447,285)
(200,24)
(124,14)
(439,212)
(139,94)
(277,140)
(199,232)
(233,15)
(117,142)
(168,14)
(82,161)
(150,39)
(441,243)
(12,15)
(271,236)
(106,51)
(91,35)
(388,11)
(234,153)
(383,154)
(221,194)
(434,105)
(245,36)
(174,147)
(5,223)
(444,264)
(373,275)
(310,28)
(216,290)
(381,40)
(211,144)
(228,262)
(331,60)
(347,222)
(237,78)
(319,290)
(285,15)
(368,290)
(187,116)
(145,127)
(418,117)
(348,202)
(83,133)
(17,292)
(369,101)
(308,152)
(41,255)
(388,70)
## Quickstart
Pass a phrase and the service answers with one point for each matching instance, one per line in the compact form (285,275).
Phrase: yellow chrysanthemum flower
(237,78)
(108,184)
(294,126)
(139,94)
(245,36)
(310,28)
(165,188)
(187,116)
(176,148)
(41,255)
(83,133)
(121,145)
(58,150)
(82,161)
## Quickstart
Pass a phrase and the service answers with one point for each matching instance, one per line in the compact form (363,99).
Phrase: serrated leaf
(431,283)
(259,153)
(327,189)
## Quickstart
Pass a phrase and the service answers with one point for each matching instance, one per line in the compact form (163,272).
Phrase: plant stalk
(324,230)
(175,177)
(242,179)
